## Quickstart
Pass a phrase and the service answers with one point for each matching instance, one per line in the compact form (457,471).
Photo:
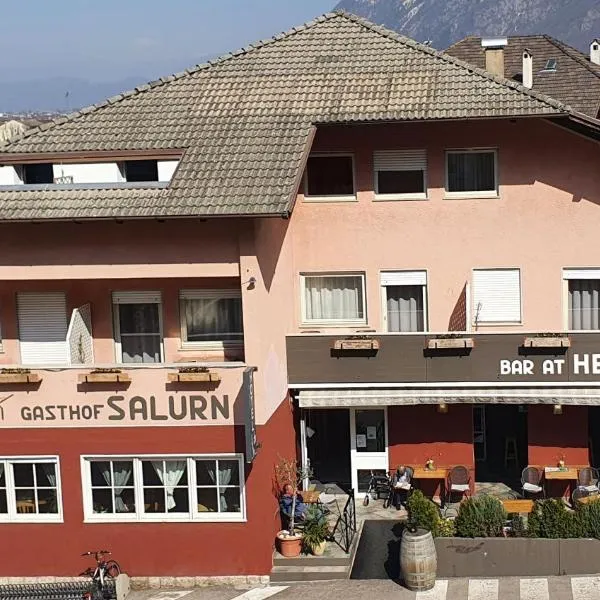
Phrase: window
(400,173)
(583,298)
(138,327)
(496,296)
(405,300)
(330,176)
(337,299)
(471,173)
(38,173)
(141,170)
(149,488)
(211,318)
(42,320)
(551,64)
(30,489)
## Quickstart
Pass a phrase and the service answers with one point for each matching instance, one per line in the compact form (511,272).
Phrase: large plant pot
(289,545)
(319,549)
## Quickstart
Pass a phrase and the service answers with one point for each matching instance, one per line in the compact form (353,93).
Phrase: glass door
(368,445)
(479,436)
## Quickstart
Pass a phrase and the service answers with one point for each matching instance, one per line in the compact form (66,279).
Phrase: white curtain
(334,298)
(170,477)
(225,475)
(584,304)
(213,319)
(49,472)
(121,474)
(405,307)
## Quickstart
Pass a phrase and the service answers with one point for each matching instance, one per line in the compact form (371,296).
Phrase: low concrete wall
(502,557)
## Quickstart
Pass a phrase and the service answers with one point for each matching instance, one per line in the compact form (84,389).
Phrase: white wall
(105,172)
(166,168)
(10,175)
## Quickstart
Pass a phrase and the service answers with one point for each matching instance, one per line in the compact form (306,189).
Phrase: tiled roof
(246,120)
(575,82)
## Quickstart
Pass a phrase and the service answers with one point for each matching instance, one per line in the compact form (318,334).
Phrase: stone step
(309,561)
(312,573)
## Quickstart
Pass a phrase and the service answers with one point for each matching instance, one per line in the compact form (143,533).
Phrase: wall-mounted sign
(252,445)
(577,364)
(371,433)
(361,440)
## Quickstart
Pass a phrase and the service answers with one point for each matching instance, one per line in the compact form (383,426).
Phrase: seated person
(400,486)
(286,501)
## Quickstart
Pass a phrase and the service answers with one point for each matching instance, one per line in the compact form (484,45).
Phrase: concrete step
(313,561)
(296,574)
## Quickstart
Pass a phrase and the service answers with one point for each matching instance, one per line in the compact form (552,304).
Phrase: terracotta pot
(319,548)
(289,546)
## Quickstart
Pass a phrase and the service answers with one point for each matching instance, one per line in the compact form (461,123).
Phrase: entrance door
(368,445)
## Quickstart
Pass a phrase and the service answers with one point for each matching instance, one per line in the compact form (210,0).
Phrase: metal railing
(345,527)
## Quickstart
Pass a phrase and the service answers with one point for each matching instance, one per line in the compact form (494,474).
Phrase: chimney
(494,54)
(595,51)
(527,69)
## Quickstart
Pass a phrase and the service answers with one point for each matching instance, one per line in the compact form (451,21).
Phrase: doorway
(500,442)
(327,434)
(594,435)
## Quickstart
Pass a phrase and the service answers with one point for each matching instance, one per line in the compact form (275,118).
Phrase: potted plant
(316,531)
(429,464)
(288,472)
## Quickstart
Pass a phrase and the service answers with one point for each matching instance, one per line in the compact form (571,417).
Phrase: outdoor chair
(531,479)
(459,481)
(588,480)
(577,495)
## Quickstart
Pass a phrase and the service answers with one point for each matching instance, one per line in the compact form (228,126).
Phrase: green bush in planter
(551,519)
(483,516)
(517,527)
(422,512)
(589,515)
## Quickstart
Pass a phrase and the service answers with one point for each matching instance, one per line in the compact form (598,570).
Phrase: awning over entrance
(349,398)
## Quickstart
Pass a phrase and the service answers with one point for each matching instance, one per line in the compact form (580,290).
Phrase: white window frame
(384,318)
(140,516)
(333,198)
(575,273)
(213,294)
(13,516)
(117,326)
(328,322)
(495,193)
(503,323)
(380,197)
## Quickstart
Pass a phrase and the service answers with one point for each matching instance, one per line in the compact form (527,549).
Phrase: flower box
(103,378)
(449,343)
(356,344)
(20,378)
(553,341)
(204,377)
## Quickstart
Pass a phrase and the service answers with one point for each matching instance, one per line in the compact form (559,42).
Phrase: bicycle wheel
(112,569)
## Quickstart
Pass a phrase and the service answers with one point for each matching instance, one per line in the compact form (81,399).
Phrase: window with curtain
(149,488)
(29,490)
(211,317)
(334,298)
(331,175)
(584,304)
(405,307)
(471,172)
(139,332)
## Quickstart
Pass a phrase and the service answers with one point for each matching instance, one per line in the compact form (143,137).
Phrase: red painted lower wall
(149,549)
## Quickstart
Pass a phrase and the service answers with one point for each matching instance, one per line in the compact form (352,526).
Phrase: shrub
(447,528)
(551,519)
(483,516)
(422,512)
(517,527)
(589,515)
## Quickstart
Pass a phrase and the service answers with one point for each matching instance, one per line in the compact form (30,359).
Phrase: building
(261,256)
(553,67)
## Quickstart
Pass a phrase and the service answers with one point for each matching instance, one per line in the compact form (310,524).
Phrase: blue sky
(108,40)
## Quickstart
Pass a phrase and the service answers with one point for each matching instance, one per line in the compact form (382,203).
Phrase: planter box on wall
(191,377)
(103,378)
(449,343)
(506,557)
(356,345)
(20,378)
(558,341)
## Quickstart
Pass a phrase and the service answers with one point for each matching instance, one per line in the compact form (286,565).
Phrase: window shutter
(581,273)
(208,294)
(404,278)
(42,328)
(497,296)
(400,160)
(136,297)
(79,336)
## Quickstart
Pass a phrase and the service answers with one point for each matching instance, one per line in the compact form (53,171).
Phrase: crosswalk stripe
(483,589)
(534,589)
(437,592)
(585,588)
(261,593)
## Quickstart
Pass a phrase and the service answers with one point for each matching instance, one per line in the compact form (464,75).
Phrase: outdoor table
(517,506)
(439,474)
(589,499)
(567,475)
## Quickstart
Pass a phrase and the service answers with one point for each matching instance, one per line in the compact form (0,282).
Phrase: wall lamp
(442,408)
(557,409)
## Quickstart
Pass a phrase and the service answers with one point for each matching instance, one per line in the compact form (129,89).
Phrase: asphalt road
(509,588)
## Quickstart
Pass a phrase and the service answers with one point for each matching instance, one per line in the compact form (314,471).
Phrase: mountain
(443,22)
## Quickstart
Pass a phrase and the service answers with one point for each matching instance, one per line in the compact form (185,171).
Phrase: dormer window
(38,173)
(141,170)
(551,64)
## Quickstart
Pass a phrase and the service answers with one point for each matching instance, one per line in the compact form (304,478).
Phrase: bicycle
(105,570)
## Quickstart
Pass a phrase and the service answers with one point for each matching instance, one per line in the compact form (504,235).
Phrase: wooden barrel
(418,560)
